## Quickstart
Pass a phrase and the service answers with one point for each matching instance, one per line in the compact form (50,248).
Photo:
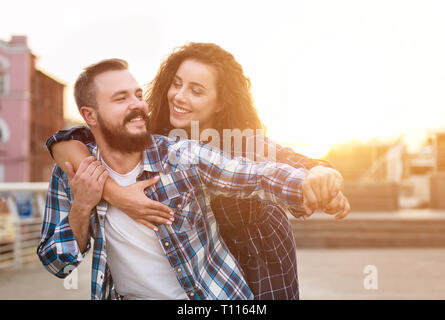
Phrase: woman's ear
(89,115)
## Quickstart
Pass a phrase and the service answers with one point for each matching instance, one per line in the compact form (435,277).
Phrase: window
(4,131)
(4,76)
(2,84)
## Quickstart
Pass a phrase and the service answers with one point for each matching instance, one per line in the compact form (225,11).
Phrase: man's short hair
(84,88)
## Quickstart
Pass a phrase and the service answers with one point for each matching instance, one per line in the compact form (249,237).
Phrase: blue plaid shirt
(190,173)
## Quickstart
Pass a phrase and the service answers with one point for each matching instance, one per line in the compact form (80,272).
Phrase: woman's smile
(179,111)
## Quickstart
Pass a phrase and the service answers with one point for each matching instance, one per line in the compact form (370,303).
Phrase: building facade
(31,109)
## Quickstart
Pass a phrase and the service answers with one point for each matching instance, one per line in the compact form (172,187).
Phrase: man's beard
(120,140)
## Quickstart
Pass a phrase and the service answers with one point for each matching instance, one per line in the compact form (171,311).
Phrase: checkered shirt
(259,234)
(190,173)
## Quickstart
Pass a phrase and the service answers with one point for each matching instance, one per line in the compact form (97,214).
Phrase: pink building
(31,109)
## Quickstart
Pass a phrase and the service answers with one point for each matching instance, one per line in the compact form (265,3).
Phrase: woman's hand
(130,200)
(133,201)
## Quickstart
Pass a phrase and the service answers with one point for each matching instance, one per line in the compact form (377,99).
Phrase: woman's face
(193,95)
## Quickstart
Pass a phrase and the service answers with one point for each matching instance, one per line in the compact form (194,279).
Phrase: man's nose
(137,103)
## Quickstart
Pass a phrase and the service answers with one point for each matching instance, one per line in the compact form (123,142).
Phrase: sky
(323,71)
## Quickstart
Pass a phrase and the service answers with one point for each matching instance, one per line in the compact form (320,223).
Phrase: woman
(202,82)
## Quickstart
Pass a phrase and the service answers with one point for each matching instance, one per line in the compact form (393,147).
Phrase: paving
(34,282)
(337,274)
(401,273)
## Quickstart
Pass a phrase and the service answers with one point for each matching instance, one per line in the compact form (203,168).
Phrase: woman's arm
(72,151)
(130,199)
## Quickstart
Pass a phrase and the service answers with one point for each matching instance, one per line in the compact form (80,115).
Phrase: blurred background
(357,83)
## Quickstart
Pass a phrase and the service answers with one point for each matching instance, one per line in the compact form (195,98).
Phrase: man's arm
(87,186)
(79,222)
(242,178)
(322,183)
(65,234)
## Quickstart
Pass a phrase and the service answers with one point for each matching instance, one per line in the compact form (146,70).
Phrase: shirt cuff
(67,248)
(293,190)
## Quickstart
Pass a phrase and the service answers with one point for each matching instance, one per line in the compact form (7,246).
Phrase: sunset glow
(322,72)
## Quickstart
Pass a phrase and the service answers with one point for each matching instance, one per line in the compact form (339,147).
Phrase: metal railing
(18,247)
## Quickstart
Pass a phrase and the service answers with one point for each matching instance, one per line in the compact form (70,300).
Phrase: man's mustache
(135,113)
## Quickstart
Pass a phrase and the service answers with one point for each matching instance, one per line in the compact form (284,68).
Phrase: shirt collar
(151,158)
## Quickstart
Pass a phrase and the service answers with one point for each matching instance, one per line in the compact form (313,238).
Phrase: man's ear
(89,115)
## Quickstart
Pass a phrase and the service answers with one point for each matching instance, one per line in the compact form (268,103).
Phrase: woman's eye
(176,84)
(120,99)
(196,91)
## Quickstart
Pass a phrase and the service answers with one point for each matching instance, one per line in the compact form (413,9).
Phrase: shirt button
(191,294)
(179,206)
(178,270)
(166,244)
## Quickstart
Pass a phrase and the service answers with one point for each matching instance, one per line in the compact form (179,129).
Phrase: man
(184,259)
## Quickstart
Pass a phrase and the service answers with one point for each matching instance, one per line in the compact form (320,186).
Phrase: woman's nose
(179,96)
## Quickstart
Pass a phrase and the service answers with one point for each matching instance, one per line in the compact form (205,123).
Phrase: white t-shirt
(137,262)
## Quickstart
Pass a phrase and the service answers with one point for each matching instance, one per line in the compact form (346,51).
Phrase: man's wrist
(78,220)
(81,209)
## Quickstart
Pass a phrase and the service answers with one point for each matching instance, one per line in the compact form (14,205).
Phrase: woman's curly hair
(233,88)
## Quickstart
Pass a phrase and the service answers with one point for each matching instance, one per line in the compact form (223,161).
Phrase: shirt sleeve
(242,178)
(58,250)
(80,133)
(267,149)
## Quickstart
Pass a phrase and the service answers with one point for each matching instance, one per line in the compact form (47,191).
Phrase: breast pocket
(180,190)
(187,211)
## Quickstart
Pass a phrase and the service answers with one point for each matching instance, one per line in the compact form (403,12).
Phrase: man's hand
(339,206)
(87,183)
(87,186)
(322,184)
(133,201)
